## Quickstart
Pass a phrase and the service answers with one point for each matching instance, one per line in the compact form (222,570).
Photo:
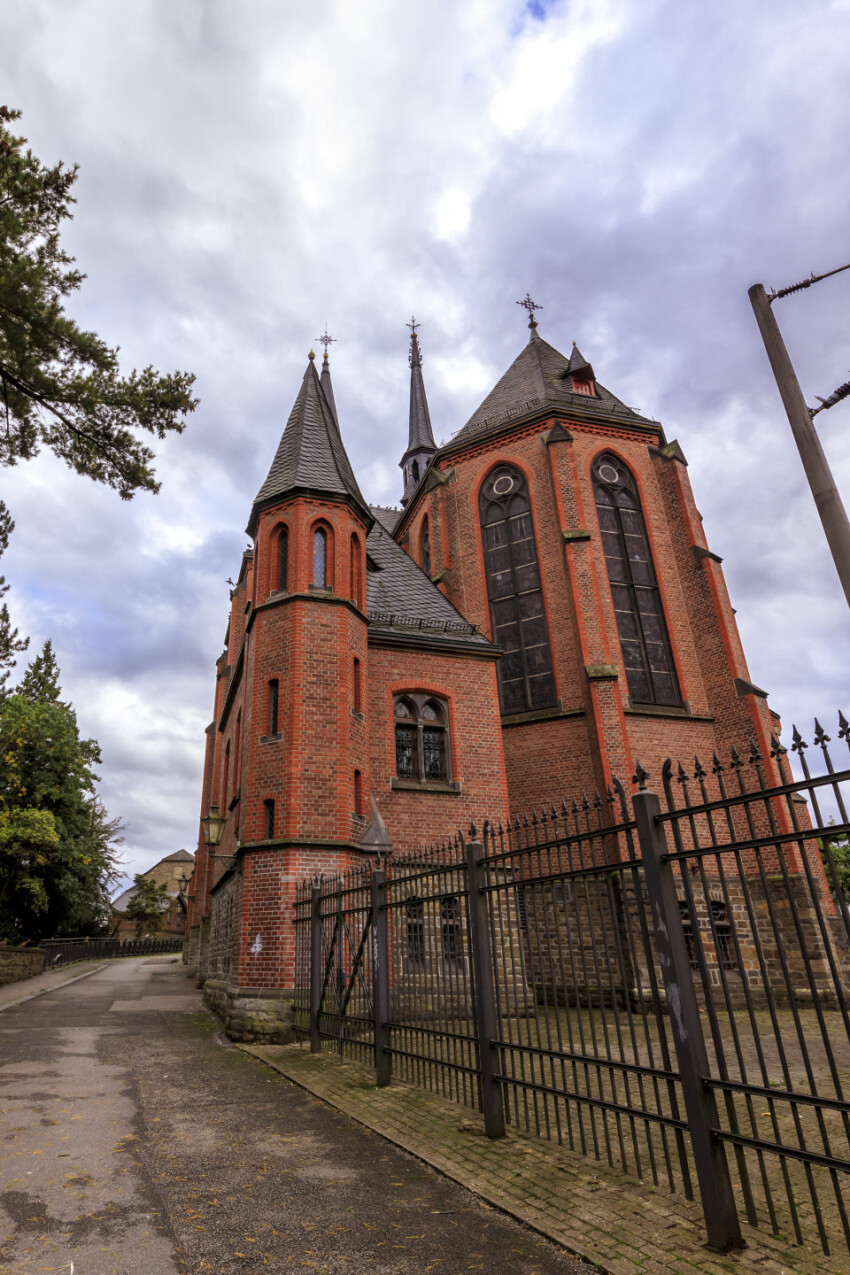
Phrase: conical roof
(310,455)
(327,386)
(420,435)
(538,378)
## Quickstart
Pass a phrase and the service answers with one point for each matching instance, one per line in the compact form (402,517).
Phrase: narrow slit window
(644,641)
(358,694)
(425,548)
(282,559)
(358,792)
(354,582)
(320,557)
(274,699)
(269,813)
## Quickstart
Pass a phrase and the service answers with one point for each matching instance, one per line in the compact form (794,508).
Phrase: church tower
(291,768)
(420,444)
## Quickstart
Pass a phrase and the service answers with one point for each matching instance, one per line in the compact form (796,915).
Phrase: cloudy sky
(250,171)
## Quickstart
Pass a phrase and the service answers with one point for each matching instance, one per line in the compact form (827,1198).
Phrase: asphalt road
(135,1141)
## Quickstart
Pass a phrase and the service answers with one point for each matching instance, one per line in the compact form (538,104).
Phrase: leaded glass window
(320,556)
(421,746)
(648,658)
(517,615)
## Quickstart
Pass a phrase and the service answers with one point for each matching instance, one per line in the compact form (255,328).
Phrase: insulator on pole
(835,397)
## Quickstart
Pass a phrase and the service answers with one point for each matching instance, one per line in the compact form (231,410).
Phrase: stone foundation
(202,968)
(19,962)
(192,943)
(259,1014)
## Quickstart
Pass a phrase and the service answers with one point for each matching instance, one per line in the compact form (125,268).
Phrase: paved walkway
(28,988)
(137,1142)
(611,1221)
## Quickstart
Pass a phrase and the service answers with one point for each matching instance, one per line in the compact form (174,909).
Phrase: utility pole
(832,513)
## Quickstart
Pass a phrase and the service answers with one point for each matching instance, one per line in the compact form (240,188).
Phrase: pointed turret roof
(327,386)
(420,434)
(540,378)
(310,456)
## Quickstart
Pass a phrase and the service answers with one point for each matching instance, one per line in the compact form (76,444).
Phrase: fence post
(381,977)
(485,999)
(715,1185)
(315,967)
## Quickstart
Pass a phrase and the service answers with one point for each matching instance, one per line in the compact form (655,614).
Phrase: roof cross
(530,306)
(325,340)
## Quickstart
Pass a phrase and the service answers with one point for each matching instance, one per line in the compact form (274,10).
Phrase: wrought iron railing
(63,951)
(659,982)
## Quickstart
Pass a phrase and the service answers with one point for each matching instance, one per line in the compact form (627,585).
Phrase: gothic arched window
(425,548)
(513,588)
(421,747)
(320,556)
(282,558)
(650,672)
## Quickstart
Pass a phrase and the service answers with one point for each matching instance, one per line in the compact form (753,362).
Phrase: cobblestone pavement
(613,1222)
(135,1141)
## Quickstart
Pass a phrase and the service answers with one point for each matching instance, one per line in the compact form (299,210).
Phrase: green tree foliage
(57,843)
(147,905)
(839,853)
(61,387)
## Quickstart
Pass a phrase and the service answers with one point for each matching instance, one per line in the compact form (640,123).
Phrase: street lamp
(212,826)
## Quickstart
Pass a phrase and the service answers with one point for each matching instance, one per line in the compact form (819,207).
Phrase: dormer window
(584,387)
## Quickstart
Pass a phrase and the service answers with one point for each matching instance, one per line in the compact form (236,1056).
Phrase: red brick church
(541,611)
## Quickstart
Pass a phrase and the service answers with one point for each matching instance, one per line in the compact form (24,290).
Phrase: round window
(608,473)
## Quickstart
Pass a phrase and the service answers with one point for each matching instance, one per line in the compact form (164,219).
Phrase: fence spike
(843,727)
(717,766)
(681,774)
(799,743)
(755,755)
(585,804)
(820,736)
(736,762)
(776,749)
(574,807)
(699,772)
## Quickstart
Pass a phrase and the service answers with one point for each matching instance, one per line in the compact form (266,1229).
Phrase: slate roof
(327,386)
(539,378)
(386,517)
(402,599)
(310,454)
(420,434)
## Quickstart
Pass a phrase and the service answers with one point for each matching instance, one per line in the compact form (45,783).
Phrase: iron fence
(63,951)
(659,982)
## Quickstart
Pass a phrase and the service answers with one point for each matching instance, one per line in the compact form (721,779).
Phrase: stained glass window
(650,672)
(518,619)
(421,748)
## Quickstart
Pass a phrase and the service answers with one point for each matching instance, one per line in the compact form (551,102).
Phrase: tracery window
(421,746)
(415,918)
(425,548)
(450,931)
(517,616)
(650,672)
(282,558)
(320,557)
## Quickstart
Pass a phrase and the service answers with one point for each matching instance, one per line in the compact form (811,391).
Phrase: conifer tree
(57,843)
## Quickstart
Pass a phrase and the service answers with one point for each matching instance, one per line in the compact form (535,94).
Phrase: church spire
(310,457)
(327,384)
(420,444)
